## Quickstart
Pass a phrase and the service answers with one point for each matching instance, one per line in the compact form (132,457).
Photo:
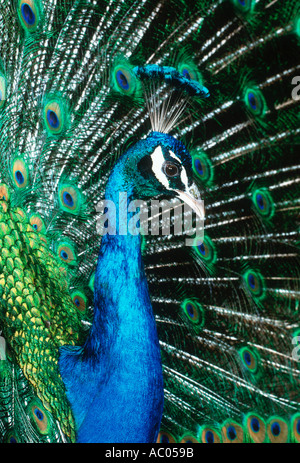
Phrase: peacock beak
(192,198)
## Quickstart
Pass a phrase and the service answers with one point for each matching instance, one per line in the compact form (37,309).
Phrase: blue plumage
(114,382)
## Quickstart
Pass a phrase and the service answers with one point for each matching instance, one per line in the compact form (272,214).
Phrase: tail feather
(226,309)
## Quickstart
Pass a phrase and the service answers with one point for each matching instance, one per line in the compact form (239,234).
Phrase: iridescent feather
(80,83)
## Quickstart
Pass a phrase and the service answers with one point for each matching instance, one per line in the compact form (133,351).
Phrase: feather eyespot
(29,14)
(255,102)
(66,253)
(189,71)
(20,174)
(69,199)
(165,438)
(39,417)
(202,167)
(250,359)
(205,249)
(232,432)
(277,430)
(37,223)
(124,80)
(79,300)
(54,117)
(209,435)
(193,312)
(254,283)
(256,428)
(263,203)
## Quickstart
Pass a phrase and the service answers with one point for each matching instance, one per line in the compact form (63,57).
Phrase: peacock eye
(170,169)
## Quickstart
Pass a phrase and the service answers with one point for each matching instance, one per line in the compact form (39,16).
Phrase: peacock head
(160,165)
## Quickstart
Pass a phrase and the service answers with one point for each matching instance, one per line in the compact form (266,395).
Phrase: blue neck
(118,376)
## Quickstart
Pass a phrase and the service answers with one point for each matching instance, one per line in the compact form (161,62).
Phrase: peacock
(121,322)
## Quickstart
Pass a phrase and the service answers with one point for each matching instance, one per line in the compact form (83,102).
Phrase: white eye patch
(157,163)
(183,175)
(158,160)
